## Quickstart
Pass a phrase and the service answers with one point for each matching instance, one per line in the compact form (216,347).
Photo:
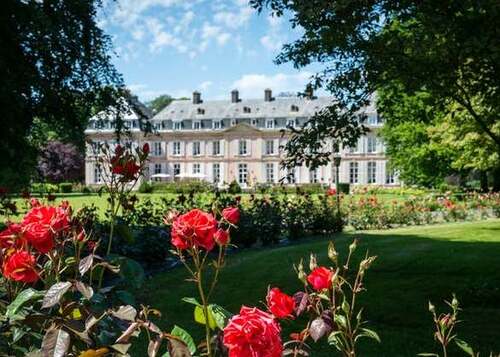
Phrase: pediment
(242,128)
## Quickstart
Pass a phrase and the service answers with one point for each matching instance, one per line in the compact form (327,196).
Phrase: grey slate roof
(220,109)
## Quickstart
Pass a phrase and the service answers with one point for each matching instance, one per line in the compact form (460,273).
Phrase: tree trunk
(496,179)
(483,180)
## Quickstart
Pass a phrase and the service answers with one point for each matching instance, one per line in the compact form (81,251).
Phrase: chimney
(235,96)
(309,92)
(268,95)
(196,97)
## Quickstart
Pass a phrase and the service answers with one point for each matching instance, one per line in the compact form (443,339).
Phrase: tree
(159,103)
(59,162)
(448,48)
(55,66)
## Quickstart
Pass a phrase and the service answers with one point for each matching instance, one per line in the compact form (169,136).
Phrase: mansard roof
(256,108)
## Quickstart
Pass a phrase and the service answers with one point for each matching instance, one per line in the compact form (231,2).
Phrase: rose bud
(280,304)
(231,214)
(221,237)
(145,148)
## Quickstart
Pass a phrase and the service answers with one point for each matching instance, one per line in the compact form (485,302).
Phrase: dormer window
(294,108)
(216,124)
(201,111)
(247,110)
(197,125)
(177,125)
(269,123)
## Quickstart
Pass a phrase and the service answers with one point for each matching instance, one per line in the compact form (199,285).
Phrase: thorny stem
(204,300)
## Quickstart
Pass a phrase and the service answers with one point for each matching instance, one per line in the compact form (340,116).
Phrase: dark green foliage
(146,187)
(159,103)
(344,187)
(65,187)
(234,188)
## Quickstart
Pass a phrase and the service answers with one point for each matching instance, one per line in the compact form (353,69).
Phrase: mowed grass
(414,265)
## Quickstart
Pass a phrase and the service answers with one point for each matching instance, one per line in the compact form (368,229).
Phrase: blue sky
(177,46)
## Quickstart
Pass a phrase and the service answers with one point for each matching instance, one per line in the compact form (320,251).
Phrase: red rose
(56,218)
(221,236)
(231,214)
(34,203)
(280,304)
(331,192)
(195,228)
(320,278)
(117,169)
(12,236)
(39,236)
(145,148)
(119,150)
(20,266)
(253,333)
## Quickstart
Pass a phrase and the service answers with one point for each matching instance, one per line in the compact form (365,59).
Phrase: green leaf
(335,340)
(199,317)
(55,293)
(191,300)
(340,320)
(186,337)
(368,333)
(428,354)
(22,298)
(465,347)
(220,315)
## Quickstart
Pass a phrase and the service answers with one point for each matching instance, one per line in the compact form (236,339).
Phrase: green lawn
(414,265)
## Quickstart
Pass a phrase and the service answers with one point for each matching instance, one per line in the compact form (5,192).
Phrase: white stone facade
(222,141)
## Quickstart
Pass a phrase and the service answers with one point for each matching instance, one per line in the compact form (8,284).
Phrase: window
(353,172)
(157,168)
(196,168)
(216,124)
(372,172)
(177,169)
(176,148)
(270,124)
(197,125)
(372,119)
(242,147)
(177,125)
(216,173)
(371,144)
(201,111)
(294,108)
(196,148)
(290,123)
(354,149)
(97,174)
(313,176)
(242,174)
(389,176)
(247,110)
(269,147)
(157,148)
(270,172)
(233,122)
(135,124)
(216,147)
(254,122)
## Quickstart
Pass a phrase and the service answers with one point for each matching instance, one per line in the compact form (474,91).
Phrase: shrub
(44,188)
(145,187)
(343,187)
(234,188)
(266,219)
(65,187)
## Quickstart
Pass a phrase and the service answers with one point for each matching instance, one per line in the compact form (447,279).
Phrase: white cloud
(205,85)
(272,43)
(214,32)
(234,19)
(274,39)
(223,38)
(253,85)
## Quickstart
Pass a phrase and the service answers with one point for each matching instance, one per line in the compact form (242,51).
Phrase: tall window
(177,169)
(196,168)
(353,172)
(372,172)
(313,176)
(97,174)
(290,123)
(216,173)
(269,123)
(269,172)
(371,144)
(269,147)
(372,119)
(177,125)
(157,148)
(176,148)
(242,147)
(197,125)
(389,176)
(216,147)
(216,124)
(196,148)
(157,168)
(242,174)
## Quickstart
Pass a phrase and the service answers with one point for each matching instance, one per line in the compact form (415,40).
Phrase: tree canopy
(55,67)
(449,49)
(159,103)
